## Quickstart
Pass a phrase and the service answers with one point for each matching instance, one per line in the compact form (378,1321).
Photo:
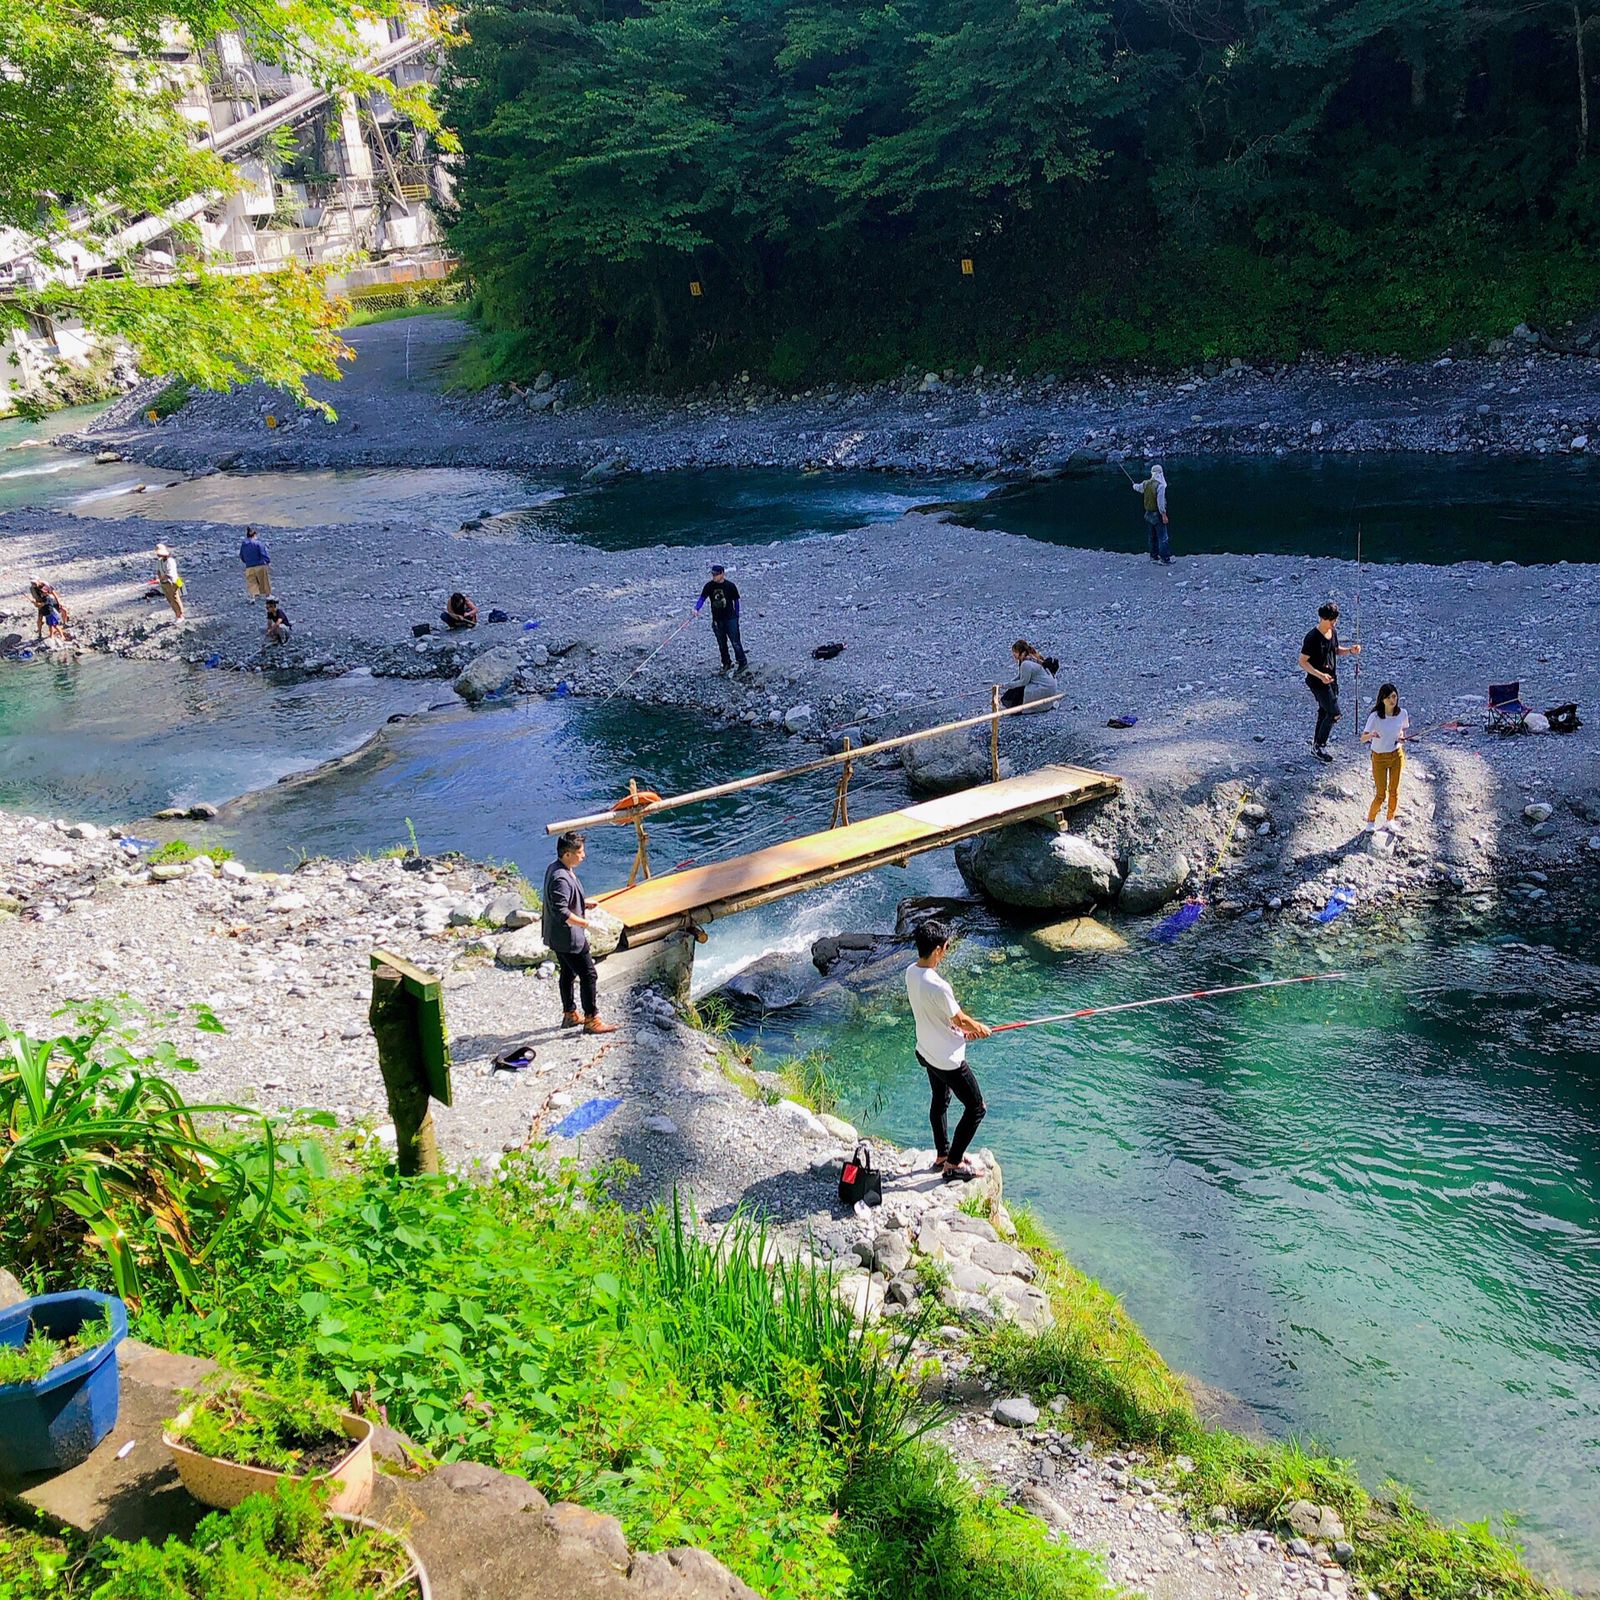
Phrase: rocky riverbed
(1201,654)
(1529,397)
(282,962)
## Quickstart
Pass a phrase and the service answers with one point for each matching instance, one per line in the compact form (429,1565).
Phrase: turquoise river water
(1370,1209)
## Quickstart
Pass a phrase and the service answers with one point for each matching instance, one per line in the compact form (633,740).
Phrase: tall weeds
(744,1317)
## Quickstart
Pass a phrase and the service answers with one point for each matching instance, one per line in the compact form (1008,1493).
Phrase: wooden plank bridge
(656,907)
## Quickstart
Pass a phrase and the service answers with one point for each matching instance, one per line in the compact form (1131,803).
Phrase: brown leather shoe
(571,1019)
(595,1025)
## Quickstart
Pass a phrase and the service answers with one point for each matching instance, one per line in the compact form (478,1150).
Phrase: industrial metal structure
(348,183)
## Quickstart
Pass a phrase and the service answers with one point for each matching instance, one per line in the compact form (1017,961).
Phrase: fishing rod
(1168,999)
(1358,614)
(651,657)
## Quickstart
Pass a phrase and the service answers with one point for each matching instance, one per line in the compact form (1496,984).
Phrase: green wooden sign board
(428,997)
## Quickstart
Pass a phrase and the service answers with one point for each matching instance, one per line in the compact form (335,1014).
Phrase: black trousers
(577,975)
(728,633)
(1327,697)
(963,1084)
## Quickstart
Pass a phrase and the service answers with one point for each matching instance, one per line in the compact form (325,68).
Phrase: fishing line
(651,657)
(1169,999)
(1189,912)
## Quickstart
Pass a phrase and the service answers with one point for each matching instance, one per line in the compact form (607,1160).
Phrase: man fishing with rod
(944,1031)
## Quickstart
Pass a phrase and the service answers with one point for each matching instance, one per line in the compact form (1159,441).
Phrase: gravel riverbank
(1203,654)
(392,411)
(282,960)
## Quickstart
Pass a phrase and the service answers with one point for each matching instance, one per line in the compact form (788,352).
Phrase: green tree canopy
(92,141)
(1129,178)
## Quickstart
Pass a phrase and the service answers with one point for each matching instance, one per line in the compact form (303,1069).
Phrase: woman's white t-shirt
(933,1004)
(1386,731)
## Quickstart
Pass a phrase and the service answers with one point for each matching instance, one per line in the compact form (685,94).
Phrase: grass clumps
(175,852)
(918,1531)
(1095,1354)
(39,1355)
(172,399)
(1122,1391)
(809,1080)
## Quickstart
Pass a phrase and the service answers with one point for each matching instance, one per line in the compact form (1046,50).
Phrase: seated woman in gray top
(1036,676)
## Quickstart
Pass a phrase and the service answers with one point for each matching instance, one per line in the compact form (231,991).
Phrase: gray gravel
(391,411)
(1203,653)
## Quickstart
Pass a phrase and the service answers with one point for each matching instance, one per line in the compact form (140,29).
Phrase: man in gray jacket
(565,927)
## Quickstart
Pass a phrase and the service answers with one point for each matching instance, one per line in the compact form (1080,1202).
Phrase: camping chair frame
(1506,710)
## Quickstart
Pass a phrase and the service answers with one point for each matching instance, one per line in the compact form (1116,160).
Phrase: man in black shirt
(724,597)
(1319,660)
(565,927)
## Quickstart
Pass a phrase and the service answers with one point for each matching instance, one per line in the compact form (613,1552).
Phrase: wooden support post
(405,1075)
(841,799)
(994,735)
(641,856)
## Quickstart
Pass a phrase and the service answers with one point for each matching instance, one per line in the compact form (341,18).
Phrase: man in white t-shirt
(943,1030)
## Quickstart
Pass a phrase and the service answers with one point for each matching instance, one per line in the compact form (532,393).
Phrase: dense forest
(669,190)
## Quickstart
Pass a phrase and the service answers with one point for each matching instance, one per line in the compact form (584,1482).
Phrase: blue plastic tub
(53,1424)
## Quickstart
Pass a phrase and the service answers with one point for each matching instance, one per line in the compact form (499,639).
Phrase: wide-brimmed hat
(161,550)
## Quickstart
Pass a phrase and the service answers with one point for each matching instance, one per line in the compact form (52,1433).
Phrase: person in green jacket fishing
(1157,522)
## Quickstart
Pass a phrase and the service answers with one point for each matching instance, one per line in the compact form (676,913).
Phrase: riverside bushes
(669,192)
(529,1323)
(1121,1390)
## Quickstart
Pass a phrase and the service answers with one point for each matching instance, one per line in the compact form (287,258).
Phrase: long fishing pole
(1358,613)
(651,657)
(1168,999)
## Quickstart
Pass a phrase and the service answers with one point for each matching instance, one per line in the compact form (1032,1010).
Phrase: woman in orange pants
(1386,730)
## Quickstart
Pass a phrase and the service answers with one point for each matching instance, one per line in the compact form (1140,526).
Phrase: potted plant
(269,1544)
(239,1436)
(58,1379)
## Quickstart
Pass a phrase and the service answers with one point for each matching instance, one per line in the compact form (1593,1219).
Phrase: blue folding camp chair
(1506,709)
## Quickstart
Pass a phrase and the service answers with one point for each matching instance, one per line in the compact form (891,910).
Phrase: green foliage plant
(809,1079)
(104,1167)
(93,134)
(177,851)
(269,1547)
(268,1422)
(41,1354)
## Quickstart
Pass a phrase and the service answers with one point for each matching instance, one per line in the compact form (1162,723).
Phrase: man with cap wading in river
(565,927)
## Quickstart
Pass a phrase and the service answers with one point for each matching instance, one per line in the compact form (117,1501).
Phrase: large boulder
(952,761)
(1079,935)
(1153,880)
(1033,865)
(525,947)
(605,932)
(771,982)
(487,674)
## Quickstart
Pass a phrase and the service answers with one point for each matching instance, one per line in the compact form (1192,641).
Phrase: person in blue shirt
(257,566)
(723,594)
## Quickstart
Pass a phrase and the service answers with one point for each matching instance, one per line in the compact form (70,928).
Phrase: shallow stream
(1370,1209)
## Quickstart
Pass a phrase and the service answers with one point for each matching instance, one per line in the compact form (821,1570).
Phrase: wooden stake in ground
(407,1017)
